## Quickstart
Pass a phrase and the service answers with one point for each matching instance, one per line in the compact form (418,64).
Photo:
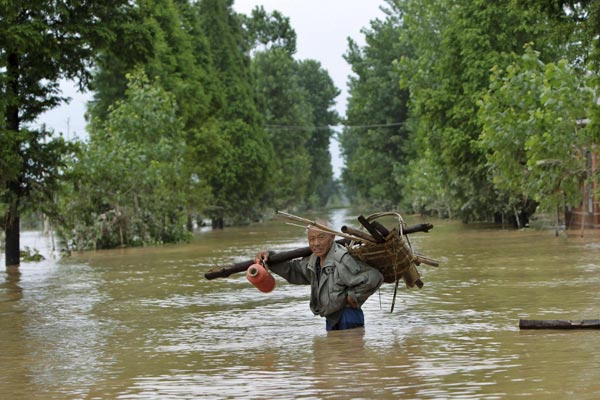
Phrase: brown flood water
(145,324)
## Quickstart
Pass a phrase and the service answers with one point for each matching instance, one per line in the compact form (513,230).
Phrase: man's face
(319,242)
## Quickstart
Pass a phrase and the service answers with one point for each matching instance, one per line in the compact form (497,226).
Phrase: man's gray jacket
(341,275)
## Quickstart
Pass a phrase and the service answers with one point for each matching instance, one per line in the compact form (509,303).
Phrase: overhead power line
(311,128)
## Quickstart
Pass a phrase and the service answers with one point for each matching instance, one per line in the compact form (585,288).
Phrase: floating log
(559,324)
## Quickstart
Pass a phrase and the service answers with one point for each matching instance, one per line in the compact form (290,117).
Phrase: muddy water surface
(145,324)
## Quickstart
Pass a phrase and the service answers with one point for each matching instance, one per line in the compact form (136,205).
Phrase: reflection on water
(144,323)
(10,289)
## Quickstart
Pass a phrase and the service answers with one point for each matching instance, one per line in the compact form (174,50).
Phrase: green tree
(41,42)
(9,165)
(167,39)
(442,53)
(265,31)
(243,163)
(198,52)
(455,46)
(281,100)
(375,145)
(127,185)
(534,133)
(295,99)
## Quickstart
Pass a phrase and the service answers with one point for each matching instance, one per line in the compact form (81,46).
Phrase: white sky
(322,28)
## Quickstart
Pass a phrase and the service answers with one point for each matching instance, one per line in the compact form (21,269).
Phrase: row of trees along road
(468,109)
(474,109)
(191,118)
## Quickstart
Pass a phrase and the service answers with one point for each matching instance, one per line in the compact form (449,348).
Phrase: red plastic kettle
(260,277)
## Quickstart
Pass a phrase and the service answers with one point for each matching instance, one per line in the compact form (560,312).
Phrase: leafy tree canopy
(41,43)
(127,186)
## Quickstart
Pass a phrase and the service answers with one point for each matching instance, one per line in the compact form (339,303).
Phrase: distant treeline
(469,109)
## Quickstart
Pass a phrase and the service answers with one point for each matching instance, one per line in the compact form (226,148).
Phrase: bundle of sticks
(387,250)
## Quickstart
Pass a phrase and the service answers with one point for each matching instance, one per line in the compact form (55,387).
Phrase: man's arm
(292,271)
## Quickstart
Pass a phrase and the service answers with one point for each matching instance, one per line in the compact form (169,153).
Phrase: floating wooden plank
(559,324)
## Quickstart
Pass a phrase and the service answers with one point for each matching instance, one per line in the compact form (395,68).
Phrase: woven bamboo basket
(394,258)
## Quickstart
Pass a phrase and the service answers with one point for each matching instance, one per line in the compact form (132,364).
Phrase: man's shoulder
(339,251)
(343,257)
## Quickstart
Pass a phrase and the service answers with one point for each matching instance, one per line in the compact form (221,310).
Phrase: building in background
(587,215)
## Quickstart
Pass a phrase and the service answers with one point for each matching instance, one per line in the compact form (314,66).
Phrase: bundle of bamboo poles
(387,250)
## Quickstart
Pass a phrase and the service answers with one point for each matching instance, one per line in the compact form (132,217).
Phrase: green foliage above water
(179,130)
(126,185)
(478,138)
(536,131)
(294,98)
(468,109)
(42,42)
(30,255)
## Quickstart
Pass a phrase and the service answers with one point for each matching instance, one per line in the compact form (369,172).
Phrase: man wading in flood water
(339,283)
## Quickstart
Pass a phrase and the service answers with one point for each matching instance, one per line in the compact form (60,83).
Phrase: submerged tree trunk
(517,220)
(12,228)
(13,237)
(189,225)
(557,217)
